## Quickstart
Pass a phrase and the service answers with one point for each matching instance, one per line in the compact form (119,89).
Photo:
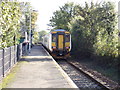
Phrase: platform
(40,70)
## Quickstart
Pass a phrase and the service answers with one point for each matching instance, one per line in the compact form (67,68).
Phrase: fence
(8,58)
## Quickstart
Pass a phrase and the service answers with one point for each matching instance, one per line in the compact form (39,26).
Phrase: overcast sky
(47,7)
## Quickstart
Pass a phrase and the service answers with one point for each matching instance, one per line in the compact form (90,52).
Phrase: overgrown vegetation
(35,34)
(63,16)
(10,14)
(16,18)
(35,37)
(41,34)
(93,29)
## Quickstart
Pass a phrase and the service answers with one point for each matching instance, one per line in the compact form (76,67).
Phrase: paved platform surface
(40,71)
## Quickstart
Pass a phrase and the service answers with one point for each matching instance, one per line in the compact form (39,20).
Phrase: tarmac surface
(40,71)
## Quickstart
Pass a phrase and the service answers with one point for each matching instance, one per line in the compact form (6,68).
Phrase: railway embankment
(106,76)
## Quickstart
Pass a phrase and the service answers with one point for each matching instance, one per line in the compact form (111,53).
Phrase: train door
(60,42)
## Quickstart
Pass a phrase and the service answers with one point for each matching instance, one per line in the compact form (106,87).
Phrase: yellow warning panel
(60,41)
(53,44)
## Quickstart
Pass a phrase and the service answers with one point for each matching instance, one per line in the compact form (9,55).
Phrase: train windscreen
(53,37)
(67,37)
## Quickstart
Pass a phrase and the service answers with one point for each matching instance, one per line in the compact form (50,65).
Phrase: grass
(10,77)
(110,72)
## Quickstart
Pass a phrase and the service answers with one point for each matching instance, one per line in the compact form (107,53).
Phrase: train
(58,43)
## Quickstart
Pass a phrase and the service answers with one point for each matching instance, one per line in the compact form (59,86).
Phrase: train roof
(59,30)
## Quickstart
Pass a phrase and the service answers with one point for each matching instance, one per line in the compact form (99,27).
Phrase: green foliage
(35,37)
(28,14)
(34,15)
(62,17)
(94,33)
(9,23)
(15,19)
(41,34)
(93,29)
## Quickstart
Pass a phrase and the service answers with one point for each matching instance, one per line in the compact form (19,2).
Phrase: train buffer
(39,70)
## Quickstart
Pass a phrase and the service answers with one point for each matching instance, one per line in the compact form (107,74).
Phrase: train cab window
(67,38)
(53,37)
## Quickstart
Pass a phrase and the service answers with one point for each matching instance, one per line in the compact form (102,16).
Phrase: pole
(30,34)
(25,47)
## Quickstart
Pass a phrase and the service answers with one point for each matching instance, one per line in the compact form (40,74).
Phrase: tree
(34,17)
(62,17)
(41,34)
(35,37)
(10,23)
(94,33)
(15,19)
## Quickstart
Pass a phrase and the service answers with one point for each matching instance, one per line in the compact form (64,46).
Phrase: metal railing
(8,58)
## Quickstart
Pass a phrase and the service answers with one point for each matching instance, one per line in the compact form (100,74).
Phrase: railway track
(82,78)
(86,79)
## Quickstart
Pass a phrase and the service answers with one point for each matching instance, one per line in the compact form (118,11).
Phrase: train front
(61,43)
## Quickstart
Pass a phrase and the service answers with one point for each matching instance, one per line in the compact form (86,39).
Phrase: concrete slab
(40,71)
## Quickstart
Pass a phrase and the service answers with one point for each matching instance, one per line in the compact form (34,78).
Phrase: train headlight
(67,47)
(53,47)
